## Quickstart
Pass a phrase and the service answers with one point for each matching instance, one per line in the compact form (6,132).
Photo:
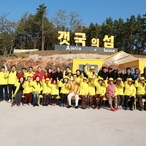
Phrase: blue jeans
(35,98)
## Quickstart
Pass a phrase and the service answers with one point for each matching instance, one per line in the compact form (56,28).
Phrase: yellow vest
(4,78)
(12,77)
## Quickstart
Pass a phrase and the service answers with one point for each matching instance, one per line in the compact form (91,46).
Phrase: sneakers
(12,105)
(53,104)
(76,107)
(116,108)
(112,109)
(69,106)
(9,100)
(62,105)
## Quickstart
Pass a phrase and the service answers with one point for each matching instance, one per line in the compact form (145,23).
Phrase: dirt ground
(56,126)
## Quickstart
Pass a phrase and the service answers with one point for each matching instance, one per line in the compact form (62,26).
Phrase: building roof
(120,57)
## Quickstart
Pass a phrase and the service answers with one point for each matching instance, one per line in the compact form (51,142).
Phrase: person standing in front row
(74,87)
(64,84)
(120,94)
(111,94)
(18,92)
(3,84)
(141,91)
(129,92)
(12,77)
(36,88)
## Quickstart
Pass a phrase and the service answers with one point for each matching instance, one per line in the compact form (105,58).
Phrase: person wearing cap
(100,85)
(64,84)
(46,91)
(111,94)
(3,83)
(84,92)
(90,73)
(74,88)
(69,74)
(27,92)
(91,90)
(129,93)
(140,91)
(120,94)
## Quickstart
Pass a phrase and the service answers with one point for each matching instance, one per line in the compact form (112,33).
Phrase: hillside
(51,58)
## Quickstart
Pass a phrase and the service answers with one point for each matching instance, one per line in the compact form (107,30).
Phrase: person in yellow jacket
(100,92)
(46,92)
(29,73)
(84,92)
(129,93)
(27,92)
(18,92)
(69,74)
(3,83)
(90,73)
(91,91)
(120,92)
(36,90)
(12,77)
(140,91)
(74,87)
(54,91)
(64,84)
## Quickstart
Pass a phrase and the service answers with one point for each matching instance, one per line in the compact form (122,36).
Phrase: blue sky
(95,11)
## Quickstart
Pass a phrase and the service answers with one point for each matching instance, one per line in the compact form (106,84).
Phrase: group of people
(120,89)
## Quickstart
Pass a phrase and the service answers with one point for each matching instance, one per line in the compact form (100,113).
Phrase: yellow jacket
(45,87)
(64,87)
(12,77)
(36,87)
(27,87)
(74,87)
(17,85)
(4,78)
(120,89)
(28,74)
(100,89)
(83,88)
(54,89)
(70,78)
(140,89)
(129,90)
(90,74)
(91,88)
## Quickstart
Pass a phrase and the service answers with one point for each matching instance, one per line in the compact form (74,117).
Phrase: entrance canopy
(120,58)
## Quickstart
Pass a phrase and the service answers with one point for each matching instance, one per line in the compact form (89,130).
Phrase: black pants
(120,99)
(131,101)
(63,98)
(3,87)
(140,97)
(11,89)
(53,98)
(46,99)
(17,98)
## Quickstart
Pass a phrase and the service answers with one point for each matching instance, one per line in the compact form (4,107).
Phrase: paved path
(56,126)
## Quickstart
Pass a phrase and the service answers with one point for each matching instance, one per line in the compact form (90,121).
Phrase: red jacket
(39,74)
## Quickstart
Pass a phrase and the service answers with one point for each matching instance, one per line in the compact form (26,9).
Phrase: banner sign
(85,48)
